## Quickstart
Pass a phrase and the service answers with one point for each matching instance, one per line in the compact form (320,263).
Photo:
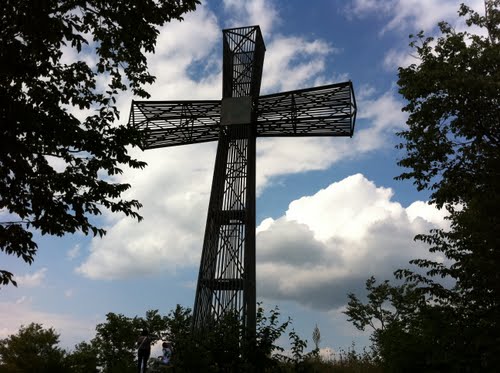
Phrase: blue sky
(329,212)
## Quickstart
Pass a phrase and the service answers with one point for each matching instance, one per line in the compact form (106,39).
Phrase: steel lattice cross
(226,281)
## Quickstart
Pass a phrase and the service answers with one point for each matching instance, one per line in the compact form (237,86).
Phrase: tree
(115,343)
(187,355)
(32,349)
(83,359)
(227,347)
(40,92)
(452,146)
(404,327)
(453,149)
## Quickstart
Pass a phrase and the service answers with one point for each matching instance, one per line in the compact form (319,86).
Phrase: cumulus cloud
(395,58)
(181,45)
(384,115)
(327,244)
(410,16)
(294,62)
(420,15)
(422,210)
(281,156)
(74,252)
(174,190)
(21,312)
(414,15)
(32,280)
(252,12)
(175,186)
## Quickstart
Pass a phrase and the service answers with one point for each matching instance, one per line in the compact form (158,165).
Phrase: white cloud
(422,210)
(23,299)
(74,252)
(384,115)
(411,16)
(294,62)
(336,204)
(58,164)
(181,44)
(395,58)
(414,15)
(383,111)
(280,156)
(71,329)
(420,14)
(31,280)
(175,186)
(361,8)
(327,244)
(174,190)
(264,225)
(365,91)
(252,12)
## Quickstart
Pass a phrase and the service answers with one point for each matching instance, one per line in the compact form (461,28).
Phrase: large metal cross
(226,280)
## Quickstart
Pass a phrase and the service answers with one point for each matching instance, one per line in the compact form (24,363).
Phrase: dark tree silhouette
(452,145)
(39,90)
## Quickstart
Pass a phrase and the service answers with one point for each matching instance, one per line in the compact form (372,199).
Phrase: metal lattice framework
(226,280)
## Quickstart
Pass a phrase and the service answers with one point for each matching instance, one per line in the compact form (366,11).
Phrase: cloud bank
(328,244)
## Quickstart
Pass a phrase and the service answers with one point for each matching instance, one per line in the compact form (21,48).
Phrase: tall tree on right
(452,148)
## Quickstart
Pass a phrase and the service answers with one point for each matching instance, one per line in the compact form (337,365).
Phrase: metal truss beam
(242,62)
(328,110)
(226,280)
(322,111)
(170,123)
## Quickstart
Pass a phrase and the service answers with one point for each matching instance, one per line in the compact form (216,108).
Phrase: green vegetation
(32,349)
(452,146)
(223,348)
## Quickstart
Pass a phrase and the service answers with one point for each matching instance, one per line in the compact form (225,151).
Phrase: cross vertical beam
(226,280)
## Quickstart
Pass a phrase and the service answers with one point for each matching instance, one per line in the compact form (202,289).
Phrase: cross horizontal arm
(170,123)
(321,111)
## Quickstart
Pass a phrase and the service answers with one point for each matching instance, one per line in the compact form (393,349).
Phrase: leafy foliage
(32,349)
(83,359)
(452,138)
(222,349)
(225,346)
(452,146)
(386,304)
(42,87)
(115,342)
(408,333)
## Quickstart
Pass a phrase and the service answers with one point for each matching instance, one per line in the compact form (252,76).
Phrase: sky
(329,212)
